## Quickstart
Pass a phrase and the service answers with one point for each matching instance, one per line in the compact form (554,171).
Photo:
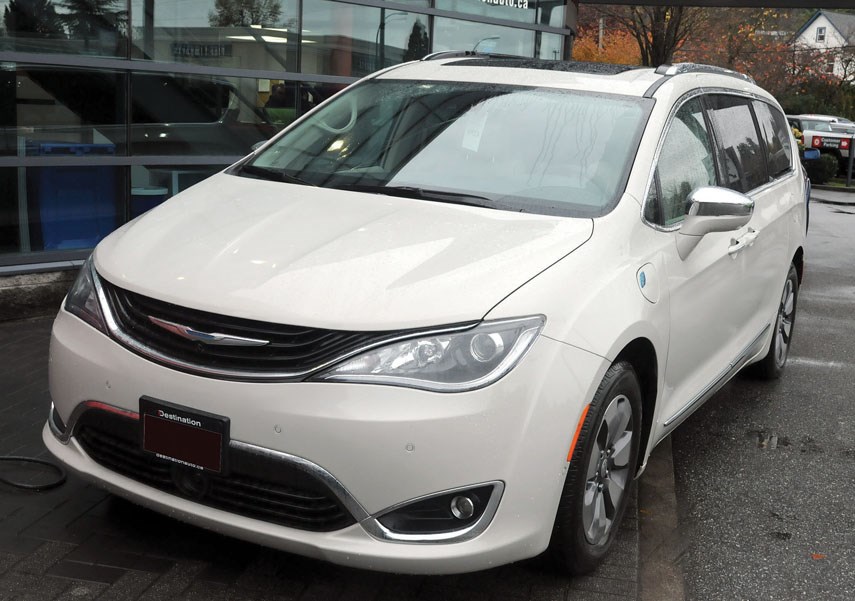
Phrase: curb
(833,189)
(827,201)
(661,545)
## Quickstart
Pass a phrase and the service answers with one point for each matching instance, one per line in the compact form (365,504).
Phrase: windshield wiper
(276,175)
(424,194)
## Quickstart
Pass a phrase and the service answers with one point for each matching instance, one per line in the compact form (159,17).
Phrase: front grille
(255,486)
(292,350)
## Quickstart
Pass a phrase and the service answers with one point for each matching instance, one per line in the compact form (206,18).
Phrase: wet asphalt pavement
(765,472)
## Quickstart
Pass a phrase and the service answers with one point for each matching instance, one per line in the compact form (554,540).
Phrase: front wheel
(772,365)
(601,472)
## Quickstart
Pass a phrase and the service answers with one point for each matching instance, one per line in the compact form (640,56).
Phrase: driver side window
(685,163)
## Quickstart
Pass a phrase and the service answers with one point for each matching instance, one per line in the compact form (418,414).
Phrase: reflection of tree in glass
(418,45)
(243,13)
(35,18)
(86,19)
(675,201)
(753,163)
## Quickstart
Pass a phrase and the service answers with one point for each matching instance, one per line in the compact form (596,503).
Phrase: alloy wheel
(608,471)
(784,326)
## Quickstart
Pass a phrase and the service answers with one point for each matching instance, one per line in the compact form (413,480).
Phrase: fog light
(462,507)
(441,513)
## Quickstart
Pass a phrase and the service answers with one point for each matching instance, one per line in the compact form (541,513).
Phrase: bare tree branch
(659,30)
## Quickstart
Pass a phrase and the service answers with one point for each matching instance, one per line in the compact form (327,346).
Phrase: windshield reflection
(534,150)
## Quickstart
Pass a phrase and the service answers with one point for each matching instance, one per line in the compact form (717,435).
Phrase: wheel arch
(799,262)
(641,354)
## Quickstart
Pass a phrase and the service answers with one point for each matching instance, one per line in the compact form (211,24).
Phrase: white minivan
(439,323)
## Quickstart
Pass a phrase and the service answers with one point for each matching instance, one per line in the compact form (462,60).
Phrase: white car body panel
(329,258)
(457,439)
(290,254)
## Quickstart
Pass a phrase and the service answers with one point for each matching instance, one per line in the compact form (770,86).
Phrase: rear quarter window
(776,136)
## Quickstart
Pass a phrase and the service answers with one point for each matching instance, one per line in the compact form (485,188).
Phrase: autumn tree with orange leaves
(616,47)
(752,41)
(756,41)
(658,31)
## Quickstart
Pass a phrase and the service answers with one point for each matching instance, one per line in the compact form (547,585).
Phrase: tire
(772,365)
(601,473)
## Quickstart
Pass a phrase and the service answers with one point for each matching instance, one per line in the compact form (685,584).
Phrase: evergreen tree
(418,44)
(86,18)
(243,13)
(33,18)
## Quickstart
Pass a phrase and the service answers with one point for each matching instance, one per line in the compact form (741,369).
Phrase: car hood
(327,258)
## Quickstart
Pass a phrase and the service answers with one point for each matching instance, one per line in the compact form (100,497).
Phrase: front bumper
(375,446)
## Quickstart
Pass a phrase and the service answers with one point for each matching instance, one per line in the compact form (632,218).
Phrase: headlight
(82,299)
(452,362)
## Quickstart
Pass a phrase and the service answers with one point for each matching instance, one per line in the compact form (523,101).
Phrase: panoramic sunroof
(530,63)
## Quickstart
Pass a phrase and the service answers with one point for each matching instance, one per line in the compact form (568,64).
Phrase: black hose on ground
(60,479)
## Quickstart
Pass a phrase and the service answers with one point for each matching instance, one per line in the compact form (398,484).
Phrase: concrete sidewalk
(837,197)
(77,542)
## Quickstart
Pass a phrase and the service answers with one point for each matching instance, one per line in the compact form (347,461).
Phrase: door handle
(739,244)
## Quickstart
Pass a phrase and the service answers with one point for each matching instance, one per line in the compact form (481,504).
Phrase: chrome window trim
(651,177)
(377,530)
(665,130)
(144,350)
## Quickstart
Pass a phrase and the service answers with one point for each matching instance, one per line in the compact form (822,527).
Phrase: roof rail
(467,53)
(678,68)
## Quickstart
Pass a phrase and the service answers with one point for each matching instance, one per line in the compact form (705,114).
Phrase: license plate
(187,437)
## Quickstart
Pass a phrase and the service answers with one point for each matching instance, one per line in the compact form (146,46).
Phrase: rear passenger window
(685,163)
(776,134)
(742,159)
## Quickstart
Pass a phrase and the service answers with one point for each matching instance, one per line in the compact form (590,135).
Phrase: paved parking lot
(77,542)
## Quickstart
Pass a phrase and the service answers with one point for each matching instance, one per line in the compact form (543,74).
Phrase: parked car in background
(837,123)
(844,126)
(439,323)
(840,124)
(829,135)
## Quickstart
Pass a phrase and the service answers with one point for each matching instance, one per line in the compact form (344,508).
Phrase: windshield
(535,150)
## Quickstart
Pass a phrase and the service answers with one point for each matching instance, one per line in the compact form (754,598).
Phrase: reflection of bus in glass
(169,114)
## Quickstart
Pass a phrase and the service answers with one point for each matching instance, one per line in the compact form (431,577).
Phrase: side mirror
(810,154)
(712,210)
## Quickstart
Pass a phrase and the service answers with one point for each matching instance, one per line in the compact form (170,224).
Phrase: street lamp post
(380,37)
(851,157)
(492,37)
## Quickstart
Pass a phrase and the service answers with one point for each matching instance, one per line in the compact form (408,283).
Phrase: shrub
(822,170)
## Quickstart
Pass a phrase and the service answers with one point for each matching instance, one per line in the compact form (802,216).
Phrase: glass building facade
(109,107)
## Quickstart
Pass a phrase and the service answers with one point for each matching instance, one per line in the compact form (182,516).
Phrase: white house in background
(835,33)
